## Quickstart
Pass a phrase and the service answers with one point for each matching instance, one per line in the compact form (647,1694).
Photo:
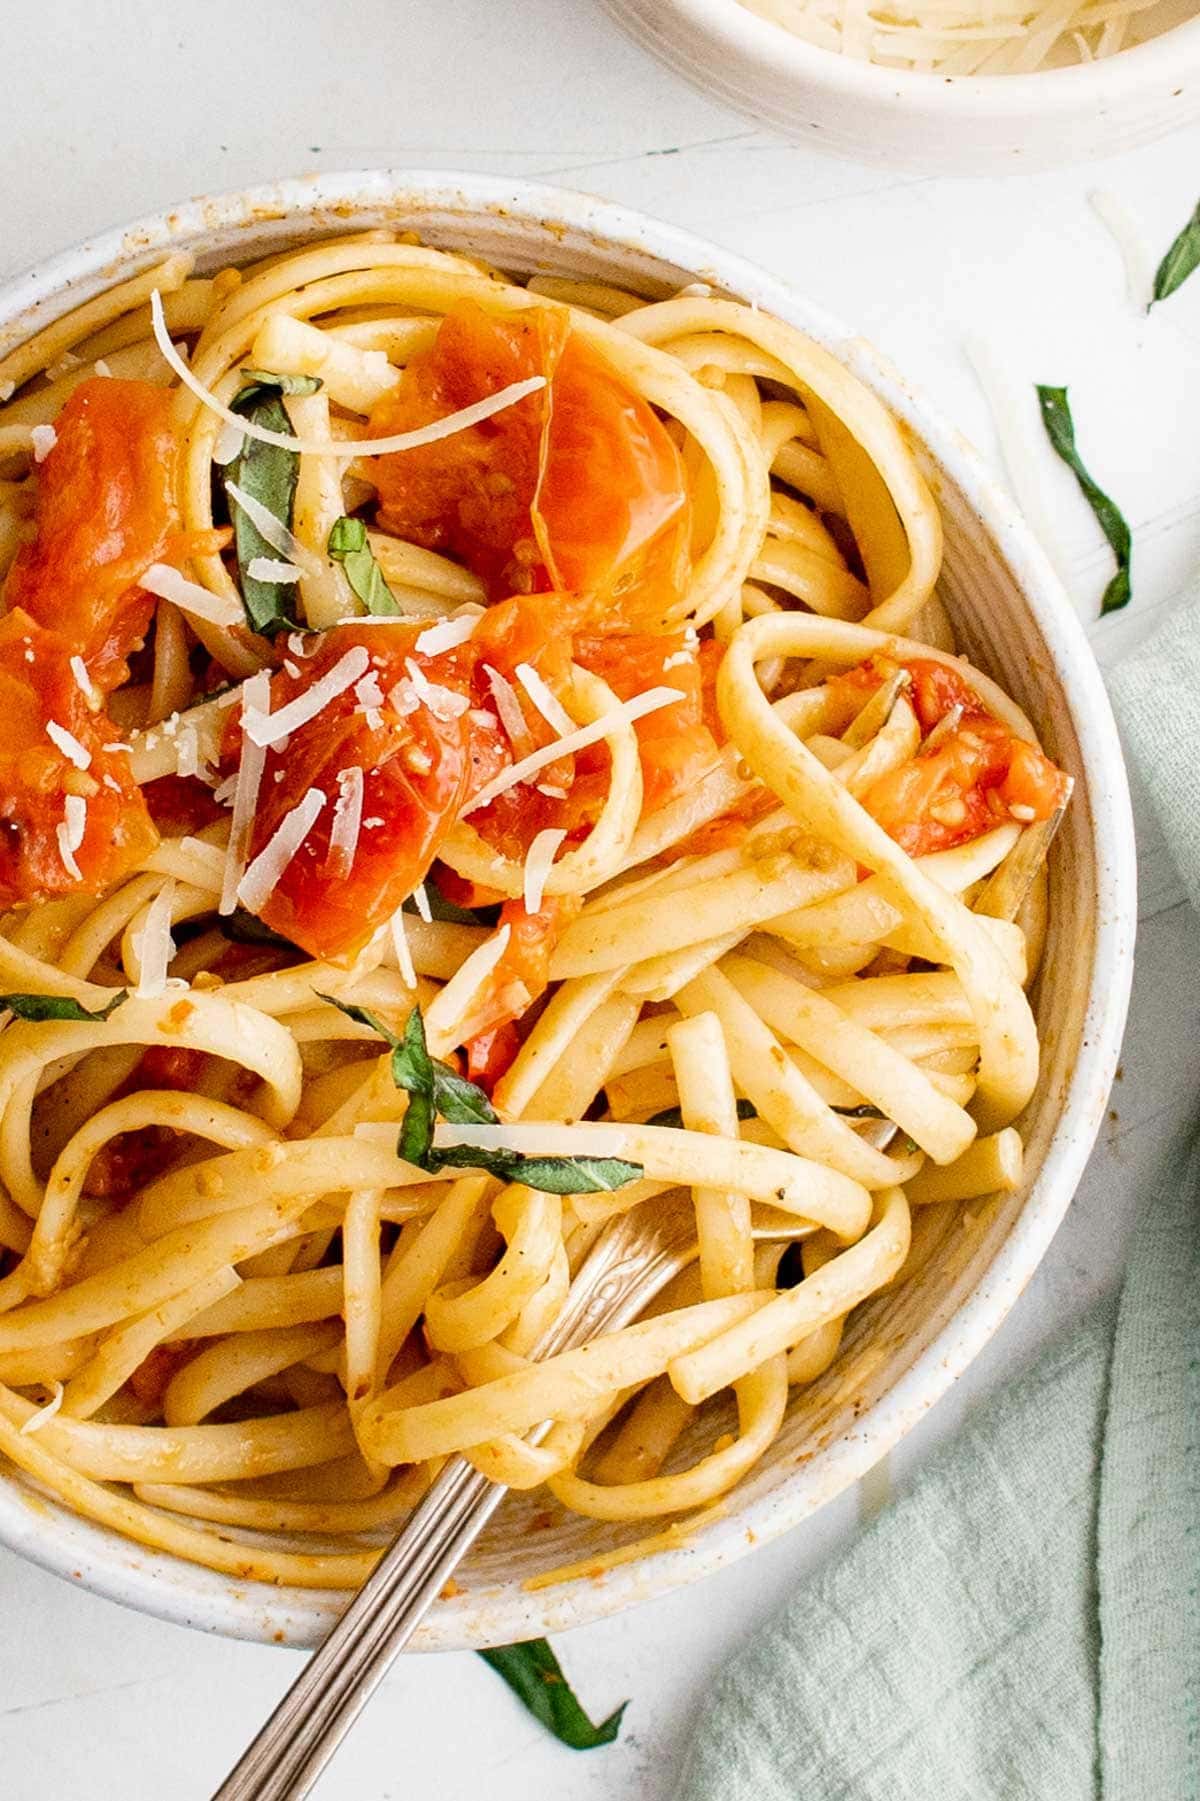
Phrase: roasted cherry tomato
(976,778)
(48,847)
(577,487)
(105,512)
(414,755)
(523,971)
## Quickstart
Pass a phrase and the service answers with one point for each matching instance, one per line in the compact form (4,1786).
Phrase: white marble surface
(118,106)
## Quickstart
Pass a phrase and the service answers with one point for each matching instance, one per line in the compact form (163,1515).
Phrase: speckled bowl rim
(164,1586)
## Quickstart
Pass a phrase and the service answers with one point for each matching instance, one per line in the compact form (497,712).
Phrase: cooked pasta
(478,758)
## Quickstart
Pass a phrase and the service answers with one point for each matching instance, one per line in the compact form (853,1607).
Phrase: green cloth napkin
(1023,1624)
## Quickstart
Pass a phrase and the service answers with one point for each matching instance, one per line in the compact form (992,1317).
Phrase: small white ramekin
(905,1348)
(925,124)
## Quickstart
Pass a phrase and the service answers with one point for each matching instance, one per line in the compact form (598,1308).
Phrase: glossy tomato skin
(966,784)
(578,487)
(105,512)
(415,768)
(36,686)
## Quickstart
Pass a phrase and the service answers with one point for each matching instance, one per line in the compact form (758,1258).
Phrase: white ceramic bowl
(927,124)
(906,1348)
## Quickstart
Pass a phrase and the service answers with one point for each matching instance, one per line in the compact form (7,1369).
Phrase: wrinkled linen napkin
(1023,1624)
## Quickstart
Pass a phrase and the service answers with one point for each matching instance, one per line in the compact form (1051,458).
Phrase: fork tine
(1005,892)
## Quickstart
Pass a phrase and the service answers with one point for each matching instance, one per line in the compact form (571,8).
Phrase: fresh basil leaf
(349,546)
(268,473)
(672,1116)
(1060,429)
(535,1676)
(550,1175)
(361,1015)
(412,1066)
(463,1103)
(281,384)
(57,1006)
(241,927)
(1181,260)
(415,1143)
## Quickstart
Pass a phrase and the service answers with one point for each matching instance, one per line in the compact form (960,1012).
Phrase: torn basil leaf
(535,1676)
(57,1006)
(241,927)
(267,380)
(550,1175)
(1060,429)
(268,473)
(349,546)
(1181,260)
(673,1116)
(434,1089)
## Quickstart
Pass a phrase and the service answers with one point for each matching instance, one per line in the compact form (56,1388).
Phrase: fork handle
(295,1744)
(614,1282)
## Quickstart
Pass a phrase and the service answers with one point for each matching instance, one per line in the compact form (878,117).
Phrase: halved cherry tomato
(970,782)
(416,766)
(105,512)
(491,1054)
(181,804)
(37,687)
(577,487)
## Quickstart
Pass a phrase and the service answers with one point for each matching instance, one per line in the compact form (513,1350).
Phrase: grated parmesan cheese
(43,438)
(267,870)
(347,822)
(625,714)
(86,685)
(268,569)
(168,584)
(547,703)
(421,903)
(345,449)
(539,860)
(1112,212)
(279,536)
(368,693)
(256,697)
(447,634)
(154,946)
(70,833)
(508,707)
(69,745)
(268,728)
(444,703)
(230,440)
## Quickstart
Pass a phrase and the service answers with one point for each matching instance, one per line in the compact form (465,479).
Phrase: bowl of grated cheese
(968,87)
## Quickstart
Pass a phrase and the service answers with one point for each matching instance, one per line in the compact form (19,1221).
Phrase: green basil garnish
(267,380)
(268,473)
(1060,429)
(349,546)
(434,1089)
(1181,260)
(57,1006)
(535,1676)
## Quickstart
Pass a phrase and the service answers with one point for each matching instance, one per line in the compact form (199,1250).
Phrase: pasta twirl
(510,801)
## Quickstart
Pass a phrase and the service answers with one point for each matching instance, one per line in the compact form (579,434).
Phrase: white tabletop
(116,107)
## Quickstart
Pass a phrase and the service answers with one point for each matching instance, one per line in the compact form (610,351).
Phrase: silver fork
(634,1257)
